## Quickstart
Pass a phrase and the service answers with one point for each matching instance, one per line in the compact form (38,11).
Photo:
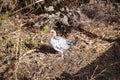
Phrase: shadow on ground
(46,49)
(105,67)
(65,30)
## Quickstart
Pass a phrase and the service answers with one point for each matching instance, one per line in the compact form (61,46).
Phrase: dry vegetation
(25,52)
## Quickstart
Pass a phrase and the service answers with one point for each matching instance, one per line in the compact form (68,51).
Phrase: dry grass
(26,54)
(24,61)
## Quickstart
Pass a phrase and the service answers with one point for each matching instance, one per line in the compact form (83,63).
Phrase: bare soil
(25,52)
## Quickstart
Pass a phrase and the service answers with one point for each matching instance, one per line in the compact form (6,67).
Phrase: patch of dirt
(25,52)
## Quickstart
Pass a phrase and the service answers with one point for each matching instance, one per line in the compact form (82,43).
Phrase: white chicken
(60,44)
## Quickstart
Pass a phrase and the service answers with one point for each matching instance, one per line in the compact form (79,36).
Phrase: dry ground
(25,53)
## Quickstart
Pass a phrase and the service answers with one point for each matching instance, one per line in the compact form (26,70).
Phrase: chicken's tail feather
(72,42)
